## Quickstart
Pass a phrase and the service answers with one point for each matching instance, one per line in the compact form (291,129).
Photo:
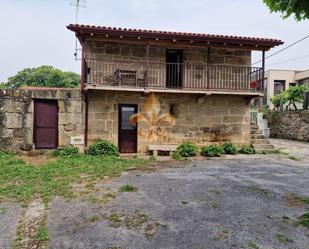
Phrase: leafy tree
(296,94)
(291,96)
(279,100)
(46,76)
(300,8)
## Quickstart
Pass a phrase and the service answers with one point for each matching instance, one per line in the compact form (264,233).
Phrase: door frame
(35,119)
(135,106)
(179,68)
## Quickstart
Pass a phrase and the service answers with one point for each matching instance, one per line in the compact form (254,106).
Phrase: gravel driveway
(226,203)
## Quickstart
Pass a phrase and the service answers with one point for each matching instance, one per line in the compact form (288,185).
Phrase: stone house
(141,88)
(145,87)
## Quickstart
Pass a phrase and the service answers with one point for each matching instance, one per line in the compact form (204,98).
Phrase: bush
(229,148)
(247,149)
(66,151)
(176,155)
(103,148)
(212,151)
(187,149)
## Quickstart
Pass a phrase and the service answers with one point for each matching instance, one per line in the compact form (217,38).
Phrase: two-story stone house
(145,87)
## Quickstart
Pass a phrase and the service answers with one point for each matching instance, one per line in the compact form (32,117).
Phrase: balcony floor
(173,90)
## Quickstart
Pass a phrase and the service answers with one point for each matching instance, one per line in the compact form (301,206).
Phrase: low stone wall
(16,116)
(293,125)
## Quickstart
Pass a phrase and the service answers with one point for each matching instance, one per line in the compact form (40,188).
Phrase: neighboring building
(280,80)
(145,87)
(41,118)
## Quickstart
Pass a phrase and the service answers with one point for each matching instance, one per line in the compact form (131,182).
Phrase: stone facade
(104,58)
(16,116)
(199,119)
(113,51)
(293,125)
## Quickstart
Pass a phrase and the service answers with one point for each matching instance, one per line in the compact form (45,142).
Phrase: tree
(46,76)
(300,8)
(294,94)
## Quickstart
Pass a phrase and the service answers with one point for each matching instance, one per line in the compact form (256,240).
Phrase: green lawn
(21,181)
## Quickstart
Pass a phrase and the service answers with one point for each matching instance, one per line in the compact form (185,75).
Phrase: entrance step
(260,143)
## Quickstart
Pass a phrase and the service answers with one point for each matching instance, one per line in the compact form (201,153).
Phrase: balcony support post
(263,70)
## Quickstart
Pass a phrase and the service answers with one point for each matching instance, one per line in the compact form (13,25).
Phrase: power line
(283,49)
(293,59)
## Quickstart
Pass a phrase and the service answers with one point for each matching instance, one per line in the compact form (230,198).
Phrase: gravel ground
(9,217)
(242,202)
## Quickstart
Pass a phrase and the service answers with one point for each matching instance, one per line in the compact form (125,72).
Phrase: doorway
(174,66)
(45,124)
(127,135)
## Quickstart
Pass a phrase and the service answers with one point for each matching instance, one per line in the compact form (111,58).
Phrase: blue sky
(33,32)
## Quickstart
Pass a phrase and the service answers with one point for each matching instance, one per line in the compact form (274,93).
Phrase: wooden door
(127,136)
(174,65)
(45,124)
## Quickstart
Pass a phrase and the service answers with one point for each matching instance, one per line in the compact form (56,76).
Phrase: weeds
(127,188)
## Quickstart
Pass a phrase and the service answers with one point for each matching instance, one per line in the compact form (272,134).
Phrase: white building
(280,80)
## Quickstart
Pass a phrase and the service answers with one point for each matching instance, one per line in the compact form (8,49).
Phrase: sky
(33,32)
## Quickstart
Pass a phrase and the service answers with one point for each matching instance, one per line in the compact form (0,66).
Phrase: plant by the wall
(103,148)
(229,148)
(212,151)
(247,149)
(187,149)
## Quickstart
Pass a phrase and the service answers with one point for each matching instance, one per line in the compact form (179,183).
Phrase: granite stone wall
(16,116)
(199,118)
(293,125)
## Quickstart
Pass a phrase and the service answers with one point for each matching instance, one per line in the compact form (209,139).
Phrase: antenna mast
(77,4)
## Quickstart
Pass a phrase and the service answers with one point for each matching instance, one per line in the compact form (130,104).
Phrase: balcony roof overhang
(184,39)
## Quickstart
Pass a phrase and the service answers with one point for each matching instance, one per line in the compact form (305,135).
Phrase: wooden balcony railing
(173,75)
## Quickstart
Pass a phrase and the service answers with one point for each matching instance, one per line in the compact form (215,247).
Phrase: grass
(20,181)
(304,220)
(252,245)
(281,238)
(294,158)
(295,200)
(42,233)
(127,188)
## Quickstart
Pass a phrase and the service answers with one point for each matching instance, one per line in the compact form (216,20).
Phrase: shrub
(66,151)
(103,148)
(212,151)
(247,149)
(187,149)
(229,148)
(176,155)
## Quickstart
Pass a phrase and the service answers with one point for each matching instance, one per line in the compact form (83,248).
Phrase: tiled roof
(173,35)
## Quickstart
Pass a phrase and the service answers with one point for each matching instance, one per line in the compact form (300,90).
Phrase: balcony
(172,77)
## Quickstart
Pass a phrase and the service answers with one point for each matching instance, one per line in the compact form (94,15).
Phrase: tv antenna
(77,4)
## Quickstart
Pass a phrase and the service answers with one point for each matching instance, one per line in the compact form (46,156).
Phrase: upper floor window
(279,86)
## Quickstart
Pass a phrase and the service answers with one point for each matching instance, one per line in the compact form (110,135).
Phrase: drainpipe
(263,76)
(85,97)
(147,72)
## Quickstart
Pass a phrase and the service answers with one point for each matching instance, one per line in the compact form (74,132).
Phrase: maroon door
(45,124)
(127,138)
